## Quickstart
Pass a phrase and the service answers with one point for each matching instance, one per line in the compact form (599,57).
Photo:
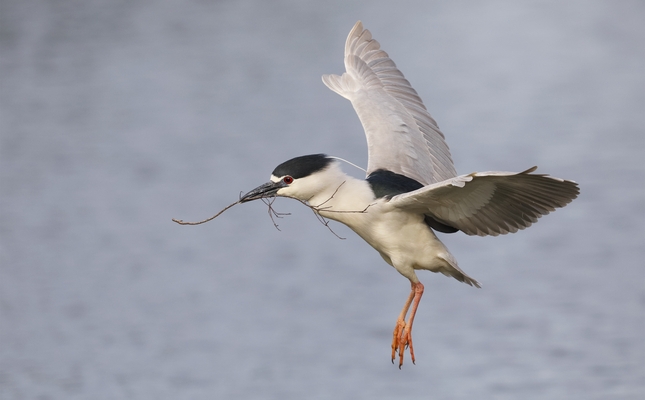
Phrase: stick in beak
(265,190)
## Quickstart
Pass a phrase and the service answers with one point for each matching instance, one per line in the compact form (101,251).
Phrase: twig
(181,222)
(331,197)
(325,222)
(272,211)
(317,209)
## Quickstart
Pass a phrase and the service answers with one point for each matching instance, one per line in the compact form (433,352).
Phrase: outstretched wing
(401,135)
(490,203)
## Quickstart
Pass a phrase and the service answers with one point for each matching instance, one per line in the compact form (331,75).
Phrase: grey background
(117,116)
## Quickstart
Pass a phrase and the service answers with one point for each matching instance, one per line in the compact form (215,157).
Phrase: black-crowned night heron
(411,189)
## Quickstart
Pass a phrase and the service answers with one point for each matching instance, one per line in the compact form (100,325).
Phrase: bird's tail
(456,272)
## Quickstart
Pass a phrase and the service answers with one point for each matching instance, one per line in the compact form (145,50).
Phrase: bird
(411,189)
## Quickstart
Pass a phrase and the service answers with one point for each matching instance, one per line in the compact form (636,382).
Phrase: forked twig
(325,222)
(274,214)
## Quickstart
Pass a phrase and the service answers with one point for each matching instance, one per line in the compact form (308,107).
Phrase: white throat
(341,195)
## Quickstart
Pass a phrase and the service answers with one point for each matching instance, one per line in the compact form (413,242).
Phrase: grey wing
(490,203)
(401,135)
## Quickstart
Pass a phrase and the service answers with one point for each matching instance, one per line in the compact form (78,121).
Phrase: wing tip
(356,32)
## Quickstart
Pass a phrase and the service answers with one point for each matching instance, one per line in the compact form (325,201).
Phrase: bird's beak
(268,189)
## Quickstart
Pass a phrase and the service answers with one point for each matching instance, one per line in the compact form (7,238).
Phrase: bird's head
(300,178)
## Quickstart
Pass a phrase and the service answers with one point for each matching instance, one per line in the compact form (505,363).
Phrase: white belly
(403,239)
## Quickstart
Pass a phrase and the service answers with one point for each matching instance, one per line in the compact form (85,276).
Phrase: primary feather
(490,203)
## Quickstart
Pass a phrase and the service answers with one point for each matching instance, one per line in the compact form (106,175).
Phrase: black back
(302,166)
(387,184)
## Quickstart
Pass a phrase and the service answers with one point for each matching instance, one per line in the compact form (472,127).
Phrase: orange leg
(402,335)
(400,325)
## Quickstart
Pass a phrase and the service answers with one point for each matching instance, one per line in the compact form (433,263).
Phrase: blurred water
(117,116)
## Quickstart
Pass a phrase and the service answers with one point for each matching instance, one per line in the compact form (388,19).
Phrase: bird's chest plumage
(396,235)
(401,238)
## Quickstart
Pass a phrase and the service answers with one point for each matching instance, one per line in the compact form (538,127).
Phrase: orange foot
(402,335)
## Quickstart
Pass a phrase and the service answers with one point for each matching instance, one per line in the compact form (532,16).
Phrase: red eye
(287,179)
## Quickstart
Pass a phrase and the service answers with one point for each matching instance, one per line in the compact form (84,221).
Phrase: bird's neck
(343,197)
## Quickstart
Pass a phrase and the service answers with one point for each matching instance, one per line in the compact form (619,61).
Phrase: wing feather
(401,135)
(490,203)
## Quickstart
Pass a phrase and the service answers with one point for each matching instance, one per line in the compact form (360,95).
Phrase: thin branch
(318,208)
(325,222)
(330,197)
(181,222)
(274,214)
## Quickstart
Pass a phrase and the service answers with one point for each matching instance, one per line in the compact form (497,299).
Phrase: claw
(396,337)
(405,341)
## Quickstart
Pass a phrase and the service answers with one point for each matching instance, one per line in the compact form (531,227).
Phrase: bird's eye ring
(287,179)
